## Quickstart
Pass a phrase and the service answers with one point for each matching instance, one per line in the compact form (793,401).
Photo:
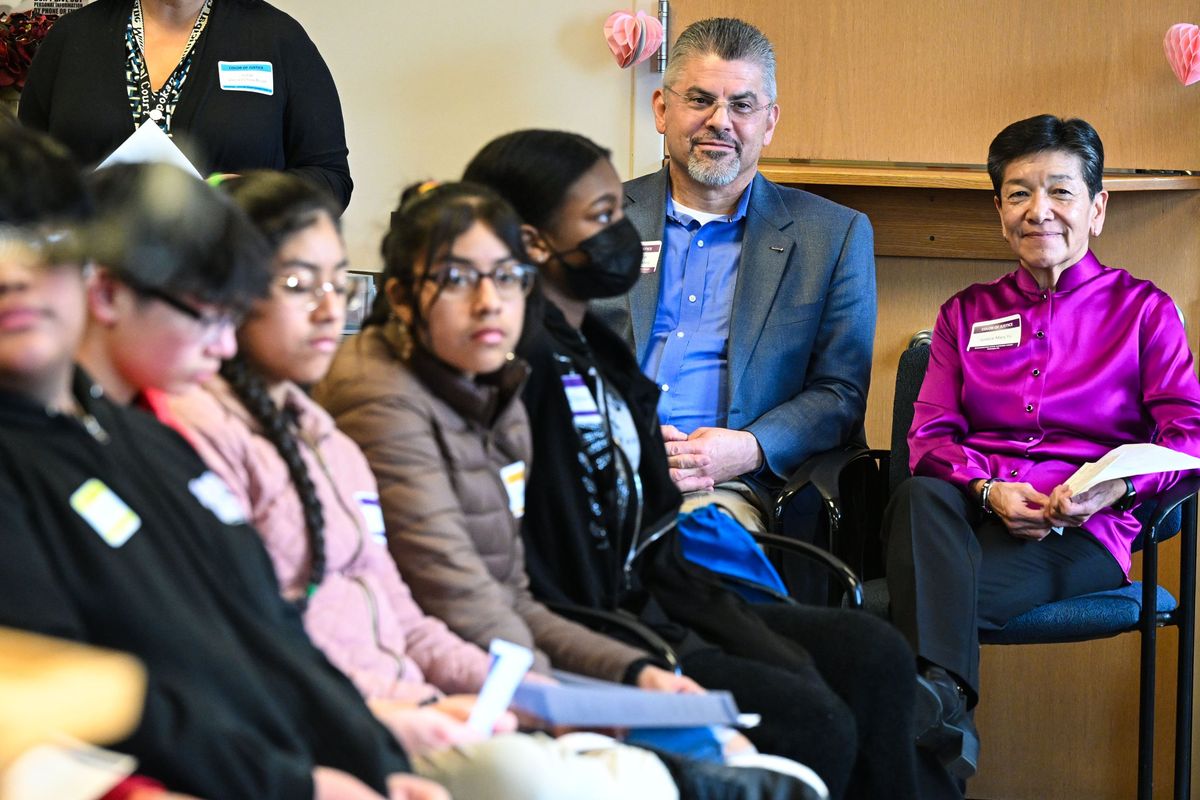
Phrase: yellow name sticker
(108,514)
(513,477)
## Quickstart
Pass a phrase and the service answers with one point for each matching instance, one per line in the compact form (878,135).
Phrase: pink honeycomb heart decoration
(1182,46)
(632,38)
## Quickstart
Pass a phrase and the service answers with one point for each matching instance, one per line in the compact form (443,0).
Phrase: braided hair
(280,205)
(278,425)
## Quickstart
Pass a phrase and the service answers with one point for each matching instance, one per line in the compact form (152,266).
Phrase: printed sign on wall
(59,7)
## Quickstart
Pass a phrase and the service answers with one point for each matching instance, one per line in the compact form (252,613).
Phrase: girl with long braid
(309,492)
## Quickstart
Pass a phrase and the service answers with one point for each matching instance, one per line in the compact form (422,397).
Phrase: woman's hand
(424,730)
(410,787)
(1021,508)
(655,679)
(459,706)
(1065,510)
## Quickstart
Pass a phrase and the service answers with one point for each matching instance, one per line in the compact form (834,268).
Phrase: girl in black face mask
(835,689)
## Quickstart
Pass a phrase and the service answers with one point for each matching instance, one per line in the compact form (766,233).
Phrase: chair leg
(1149,633)
(1186,619)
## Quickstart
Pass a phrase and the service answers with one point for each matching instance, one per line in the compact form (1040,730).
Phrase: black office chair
(1143,606)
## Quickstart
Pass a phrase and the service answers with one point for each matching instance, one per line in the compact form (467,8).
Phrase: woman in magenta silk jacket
(1030,376)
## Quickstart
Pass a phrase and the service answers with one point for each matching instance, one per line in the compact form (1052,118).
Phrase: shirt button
(1040,334)
(1043,295)
(1012,473)
(691,298)
(679,334)
(1029,407)
(700,243)
(1029,438)
(1037,372)
(666,387)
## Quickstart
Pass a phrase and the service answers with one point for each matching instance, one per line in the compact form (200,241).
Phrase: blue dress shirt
(687,352)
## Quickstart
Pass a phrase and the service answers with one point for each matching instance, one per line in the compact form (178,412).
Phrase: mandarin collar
(1072,277)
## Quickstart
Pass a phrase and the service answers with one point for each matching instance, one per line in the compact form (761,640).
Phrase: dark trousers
(953,571)
(846,710)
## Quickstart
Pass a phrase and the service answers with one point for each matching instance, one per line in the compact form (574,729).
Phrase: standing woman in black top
(239,80)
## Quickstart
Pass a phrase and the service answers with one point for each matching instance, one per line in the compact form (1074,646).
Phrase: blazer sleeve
(832,403)
(427,531)
(225,757)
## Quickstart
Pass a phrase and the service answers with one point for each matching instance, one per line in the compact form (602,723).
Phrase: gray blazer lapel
(646,208)
(766,248)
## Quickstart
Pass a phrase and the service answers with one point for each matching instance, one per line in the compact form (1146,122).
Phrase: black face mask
(610,266)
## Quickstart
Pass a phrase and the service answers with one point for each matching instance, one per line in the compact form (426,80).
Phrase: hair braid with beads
(277,425)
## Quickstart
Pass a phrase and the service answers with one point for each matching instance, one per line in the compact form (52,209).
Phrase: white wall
(425,85)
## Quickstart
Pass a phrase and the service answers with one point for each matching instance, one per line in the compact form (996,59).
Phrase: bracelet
(984,491)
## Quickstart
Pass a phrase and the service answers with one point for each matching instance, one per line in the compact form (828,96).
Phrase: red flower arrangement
(20,35)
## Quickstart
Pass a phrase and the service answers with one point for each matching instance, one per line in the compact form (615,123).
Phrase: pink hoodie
(362,616)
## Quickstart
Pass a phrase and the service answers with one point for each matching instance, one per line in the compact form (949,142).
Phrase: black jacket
(76,91)
(685,603)
(239,703)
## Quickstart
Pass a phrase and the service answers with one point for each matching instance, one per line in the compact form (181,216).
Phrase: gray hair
(727,38)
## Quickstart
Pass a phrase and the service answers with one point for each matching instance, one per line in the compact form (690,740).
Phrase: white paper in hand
(65,770)
(149,145)
(510,662)
(1127,461)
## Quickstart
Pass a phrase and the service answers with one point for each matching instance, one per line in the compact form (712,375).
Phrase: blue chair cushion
(1089,616)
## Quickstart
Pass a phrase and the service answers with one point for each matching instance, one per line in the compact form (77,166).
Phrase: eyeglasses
(461,280)
(699,103)
(209,321)
(305,286)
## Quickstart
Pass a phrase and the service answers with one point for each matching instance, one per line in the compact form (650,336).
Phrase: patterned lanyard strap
(143,101)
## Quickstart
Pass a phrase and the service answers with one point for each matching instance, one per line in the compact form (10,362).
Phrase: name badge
(513,477)
(650,254)
(247,76)
(372,514)
(215,495)
(994,334)
(579,398)
(108,514)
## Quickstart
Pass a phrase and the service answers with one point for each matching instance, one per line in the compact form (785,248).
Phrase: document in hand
(1127,461)
(149,145)
(588,703)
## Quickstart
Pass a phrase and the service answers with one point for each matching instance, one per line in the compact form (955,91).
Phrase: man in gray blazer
(755,311)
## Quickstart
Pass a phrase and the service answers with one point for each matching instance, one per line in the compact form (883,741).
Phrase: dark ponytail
(278,424)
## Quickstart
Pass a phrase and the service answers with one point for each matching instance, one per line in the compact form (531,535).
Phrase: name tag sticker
(215,495)
(994,334)
(579,398)
(650,253)
(514,483)
(108,514)
(372,514)
(247,76)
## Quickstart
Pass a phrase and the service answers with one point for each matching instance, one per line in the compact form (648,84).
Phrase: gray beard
(713,171)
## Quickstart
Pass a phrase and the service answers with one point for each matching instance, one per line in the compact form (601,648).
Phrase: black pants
(953,571)
(846,711)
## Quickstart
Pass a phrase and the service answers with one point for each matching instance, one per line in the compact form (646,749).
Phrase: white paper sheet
(1127,461)
(149,145)
(510,662)
(65,770)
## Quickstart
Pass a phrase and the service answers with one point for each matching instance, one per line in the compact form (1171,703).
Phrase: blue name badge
(247,76)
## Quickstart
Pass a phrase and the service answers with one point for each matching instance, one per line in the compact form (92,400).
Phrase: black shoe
(943,725)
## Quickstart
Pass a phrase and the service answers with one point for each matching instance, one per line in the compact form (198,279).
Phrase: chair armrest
(839,568)
(823,472)
(599,619)
(1167,502)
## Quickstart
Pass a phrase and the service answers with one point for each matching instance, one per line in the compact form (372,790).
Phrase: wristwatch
(1126,501)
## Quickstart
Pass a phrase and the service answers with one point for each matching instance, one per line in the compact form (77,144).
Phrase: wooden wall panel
(934,81)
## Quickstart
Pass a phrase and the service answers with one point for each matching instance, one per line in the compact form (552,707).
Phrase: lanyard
(144,102)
